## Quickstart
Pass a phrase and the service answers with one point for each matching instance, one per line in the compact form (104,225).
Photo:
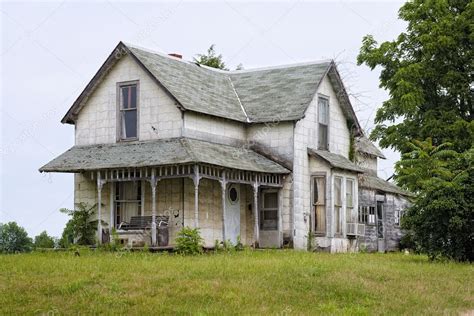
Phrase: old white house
(270,157)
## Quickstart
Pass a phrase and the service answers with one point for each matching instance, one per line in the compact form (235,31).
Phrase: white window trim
(118,122)
(320,95)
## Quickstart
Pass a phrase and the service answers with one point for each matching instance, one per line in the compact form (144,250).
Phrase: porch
(234,196)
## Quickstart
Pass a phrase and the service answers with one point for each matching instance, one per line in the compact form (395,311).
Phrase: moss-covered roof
(157,153)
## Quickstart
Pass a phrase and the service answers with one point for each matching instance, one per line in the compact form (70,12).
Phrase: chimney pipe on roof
(176,55)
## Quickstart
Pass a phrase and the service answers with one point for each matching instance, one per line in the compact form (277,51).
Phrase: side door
(269,219)
(380,227)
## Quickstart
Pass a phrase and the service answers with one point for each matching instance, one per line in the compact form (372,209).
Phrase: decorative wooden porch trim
(195,172)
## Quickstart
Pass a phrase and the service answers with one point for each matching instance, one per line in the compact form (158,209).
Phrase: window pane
(270,215)
(323,137)
(125,96)
(319,190)
(323,111)
(337,218)
(129,124)
(337,191)
(133,97)
(320,218)
(349,193)
(270,200)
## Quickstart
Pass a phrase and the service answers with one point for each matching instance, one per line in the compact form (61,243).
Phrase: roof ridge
(238,99)
(283,66)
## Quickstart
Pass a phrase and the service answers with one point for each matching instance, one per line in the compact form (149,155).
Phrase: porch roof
(160,152)
(335,160)
(375,183)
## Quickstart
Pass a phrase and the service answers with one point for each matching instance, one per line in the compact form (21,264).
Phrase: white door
(269,233)
(232,213)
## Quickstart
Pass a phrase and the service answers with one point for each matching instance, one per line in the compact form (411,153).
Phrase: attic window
(128,116)
(323,120)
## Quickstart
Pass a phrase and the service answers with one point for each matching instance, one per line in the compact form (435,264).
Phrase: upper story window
(128,111)
(323,109)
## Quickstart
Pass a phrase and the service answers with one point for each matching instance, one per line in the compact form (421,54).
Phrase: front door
(232,213)
(269,233)
(380,227)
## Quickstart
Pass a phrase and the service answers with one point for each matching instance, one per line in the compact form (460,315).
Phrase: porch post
(256,215)
(196,179)
(224,187)
(111,220)
(153,183)
(99,208)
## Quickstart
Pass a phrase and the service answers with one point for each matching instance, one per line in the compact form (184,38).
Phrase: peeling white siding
(306,135)
(97,121)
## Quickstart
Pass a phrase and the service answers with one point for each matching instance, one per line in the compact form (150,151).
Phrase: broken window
(367,215)
(398,216)
(323,109)
(128,111)
(319,204)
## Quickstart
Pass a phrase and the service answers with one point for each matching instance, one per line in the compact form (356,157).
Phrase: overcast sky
(50,51)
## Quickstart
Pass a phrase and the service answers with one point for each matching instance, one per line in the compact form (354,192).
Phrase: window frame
(351,208)
(324,97)
(118,193)
(398,214)
(314,203)
(365,213)
(338,219)
(119,110)
(264,209)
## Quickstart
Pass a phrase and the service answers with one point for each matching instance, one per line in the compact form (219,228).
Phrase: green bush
(14,238)
(189,241)
(43,240)
(81,228)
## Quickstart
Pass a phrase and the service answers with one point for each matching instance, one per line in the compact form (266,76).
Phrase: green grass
(244,282)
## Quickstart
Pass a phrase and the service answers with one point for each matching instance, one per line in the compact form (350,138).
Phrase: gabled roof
(158,153)
(261,95)
(364,145)
(335,160)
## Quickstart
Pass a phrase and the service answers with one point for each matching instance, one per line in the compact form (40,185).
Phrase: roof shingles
(157,153)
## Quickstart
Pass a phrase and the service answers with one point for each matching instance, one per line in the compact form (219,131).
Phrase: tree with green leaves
(428,71)
(82,224)
(14,238)
(441,221)
(211,59)
(43,240)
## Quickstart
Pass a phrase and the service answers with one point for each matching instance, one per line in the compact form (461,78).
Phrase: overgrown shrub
(189,241)
(43,240)
(14,238)
(82,227)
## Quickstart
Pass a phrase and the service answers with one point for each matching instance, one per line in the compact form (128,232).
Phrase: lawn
(248,282)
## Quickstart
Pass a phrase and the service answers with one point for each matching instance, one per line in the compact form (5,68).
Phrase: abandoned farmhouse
(268,157)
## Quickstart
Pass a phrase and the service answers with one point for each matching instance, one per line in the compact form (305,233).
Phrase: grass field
(246,282)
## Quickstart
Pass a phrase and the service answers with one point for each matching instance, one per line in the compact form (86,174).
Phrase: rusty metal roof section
(335,160)
(158,153)
(364,145)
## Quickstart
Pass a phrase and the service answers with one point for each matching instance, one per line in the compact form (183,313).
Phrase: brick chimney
(176,55)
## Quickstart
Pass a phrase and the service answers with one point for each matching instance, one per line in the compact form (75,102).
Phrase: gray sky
(50,50)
